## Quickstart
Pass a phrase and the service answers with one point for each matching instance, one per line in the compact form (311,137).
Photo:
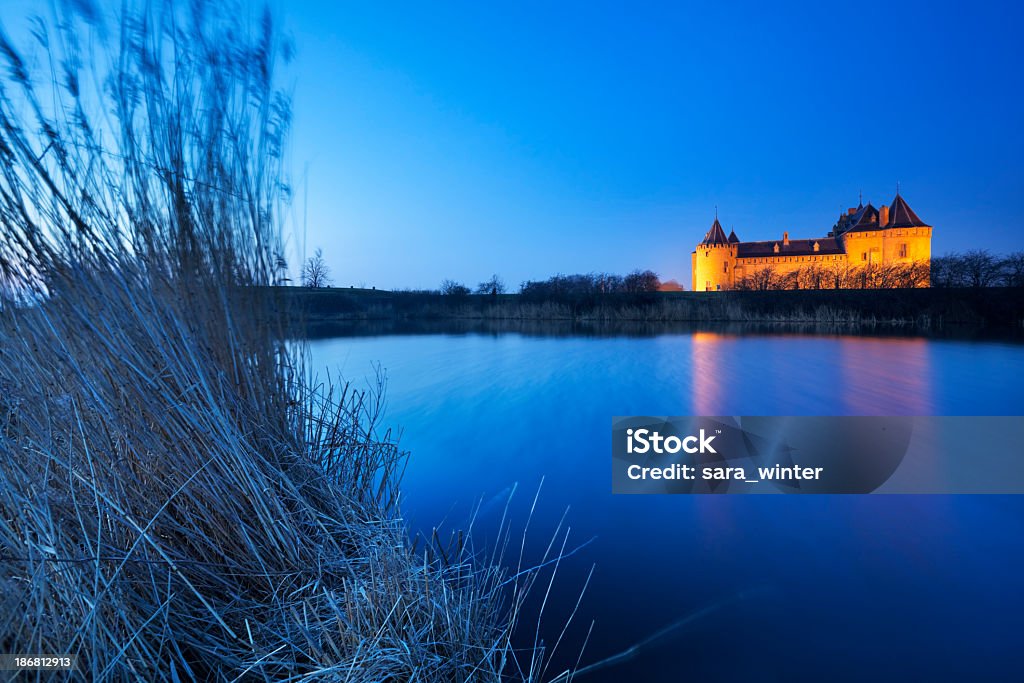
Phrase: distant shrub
(453,288)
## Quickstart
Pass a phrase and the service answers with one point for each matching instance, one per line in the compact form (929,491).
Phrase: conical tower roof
(902,216)
(715,235)
(733,239)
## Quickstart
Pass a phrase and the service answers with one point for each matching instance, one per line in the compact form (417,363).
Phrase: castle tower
(908,239)
(713,260)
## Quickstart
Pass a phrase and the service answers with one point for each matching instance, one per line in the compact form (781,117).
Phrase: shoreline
(998,308)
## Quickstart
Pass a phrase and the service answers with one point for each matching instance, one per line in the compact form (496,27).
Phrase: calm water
(830,587)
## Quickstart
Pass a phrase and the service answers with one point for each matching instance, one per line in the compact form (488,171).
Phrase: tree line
(583,284)
(978,268)
(839,275)
(975,268)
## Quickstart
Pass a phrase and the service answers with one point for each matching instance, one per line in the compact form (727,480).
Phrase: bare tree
(761,279)
(981,268)
(493,286)
(947,271)
(916,274)
(315,272)
(641,281)
(791,280)
(842,275)
(811,277)
(1013,269)
(453,288)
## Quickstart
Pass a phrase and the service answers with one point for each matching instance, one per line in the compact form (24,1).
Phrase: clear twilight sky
(456,140)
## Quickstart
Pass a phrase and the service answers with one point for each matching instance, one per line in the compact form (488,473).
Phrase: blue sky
(456,140)
(533,138)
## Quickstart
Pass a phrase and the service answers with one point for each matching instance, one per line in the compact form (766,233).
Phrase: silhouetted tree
(947,271)
(606,283)
(981,268)
(590,284)
(453,288)
(1013,269)
(315,272)
(641,281)
(493,286)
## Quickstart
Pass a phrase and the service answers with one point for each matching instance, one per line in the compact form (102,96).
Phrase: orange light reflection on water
(885,376)
(846,375)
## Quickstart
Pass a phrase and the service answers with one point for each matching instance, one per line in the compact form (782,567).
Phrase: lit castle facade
(863,238)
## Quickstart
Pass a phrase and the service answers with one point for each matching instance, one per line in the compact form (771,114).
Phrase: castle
(862,241)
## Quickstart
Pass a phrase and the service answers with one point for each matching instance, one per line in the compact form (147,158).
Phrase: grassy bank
(926,308)
(177,503)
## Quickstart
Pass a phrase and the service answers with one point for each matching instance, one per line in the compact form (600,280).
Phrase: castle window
(725,267)
(863,256)
(903,250)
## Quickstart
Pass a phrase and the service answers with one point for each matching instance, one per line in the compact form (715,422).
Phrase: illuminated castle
(864,239)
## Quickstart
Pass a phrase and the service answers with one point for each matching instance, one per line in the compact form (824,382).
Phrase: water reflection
(710,368)
(631,328)
(483,410)
(885,376)
(857,375)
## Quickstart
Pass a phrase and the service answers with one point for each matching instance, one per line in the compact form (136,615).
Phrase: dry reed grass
(178,499)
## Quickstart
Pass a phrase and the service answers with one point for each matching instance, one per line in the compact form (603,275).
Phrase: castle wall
(892,245)
(782,265)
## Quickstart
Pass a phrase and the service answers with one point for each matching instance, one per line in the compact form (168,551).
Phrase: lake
(800,587)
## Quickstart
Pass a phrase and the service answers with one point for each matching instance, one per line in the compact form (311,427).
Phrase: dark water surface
(807,587)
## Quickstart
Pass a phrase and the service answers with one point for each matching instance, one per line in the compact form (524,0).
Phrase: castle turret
(902,216)
(712,262)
